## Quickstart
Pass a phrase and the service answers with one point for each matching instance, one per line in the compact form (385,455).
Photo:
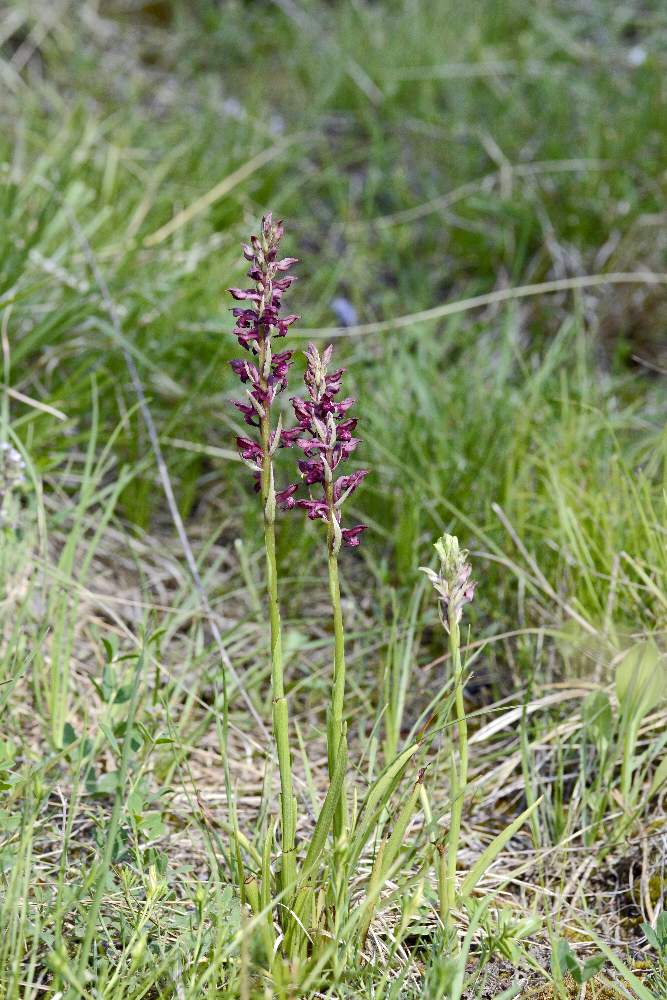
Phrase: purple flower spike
(325,437)
(258,320)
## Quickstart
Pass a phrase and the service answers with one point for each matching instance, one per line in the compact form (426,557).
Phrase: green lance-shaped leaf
(304,896)
(376,799)
(641,679)
(265,887)
(325,819)
(301,919)
(288,809)
(659,778)
(374,886)
(597,716)
(489,855)
(397,837)
(388,853)
(633,981)
(252,894)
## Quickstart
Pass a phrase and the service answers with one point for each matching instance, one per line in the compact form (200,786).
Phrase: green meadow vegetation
(476,195)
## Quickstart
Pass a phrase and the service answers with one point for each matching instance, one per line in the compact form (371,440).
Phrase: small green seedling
(564,961)
(657,937)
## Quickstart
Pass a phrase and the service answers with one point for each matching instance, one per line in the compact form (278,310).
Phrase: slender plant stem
(443,892)
(335,727)
(460,773)
(114,823)
(280,712)
(629,737)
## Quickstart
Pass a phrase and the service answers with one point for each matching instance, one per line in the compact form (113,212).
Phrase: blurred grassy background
(421,153)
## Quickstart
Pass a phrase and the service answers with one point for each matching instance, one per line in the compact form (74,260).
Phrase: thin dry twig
(219,190)
(489,298)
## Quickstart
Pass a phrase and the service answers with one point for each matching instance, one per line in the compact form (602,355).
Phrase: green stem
(443,893)
(335,721)
(460,773)
(114,823)
(280,711)
(629,736)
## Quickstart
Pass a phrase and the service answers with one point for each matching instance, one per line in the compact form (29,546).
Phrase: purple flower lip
(243,294)
(346,485)
(311,472)
(346,429)
(246,371)
(249,450)
(308,445)
(250,415)
(351,536)
(315,509)
(285,498)
(288,437)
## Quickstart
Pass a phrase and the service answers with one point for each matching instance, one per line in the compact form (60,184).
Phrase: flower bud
(452,582)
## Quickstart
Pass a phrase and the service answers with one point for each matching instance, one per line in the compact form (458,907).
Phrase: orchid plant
(258,324)
(455,588)
(327,440)
(324,433)
(321,921)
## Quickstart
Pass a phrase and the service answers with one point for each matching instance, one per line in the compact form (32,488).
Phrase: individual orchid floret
(452,582)
(326,439)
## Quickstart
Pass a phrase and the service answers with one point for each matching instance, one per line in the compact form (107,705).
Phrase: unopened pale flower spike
(452,581)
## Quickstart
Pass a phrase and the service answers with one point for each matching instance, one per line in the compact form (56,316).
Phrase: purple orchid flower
(325,437)
(258,320)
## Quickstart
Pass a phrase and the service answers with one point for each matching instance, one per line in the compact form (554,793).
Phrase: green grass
(421,154)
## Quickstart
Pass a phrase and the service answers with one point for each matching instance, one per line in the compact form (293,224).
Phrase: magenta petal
(249,449)
(246,371)
(285,498)
(289,437)
(248,411)
(243,294)
(352,536)
(348,484)
(315,509)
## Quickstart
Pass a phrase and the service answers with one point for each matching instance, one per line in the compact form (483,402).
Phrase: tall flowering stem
(455,589)
(258,322)
(327,440)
